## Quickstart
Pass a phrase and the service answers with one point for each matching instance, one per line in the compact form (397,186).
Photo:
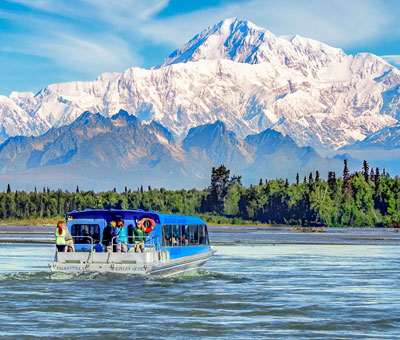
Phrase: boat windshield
(85,233)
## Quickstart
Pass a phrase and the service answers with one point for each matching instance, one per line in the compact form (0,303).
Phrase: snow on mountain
(244,42)
(239,74)
(387,138)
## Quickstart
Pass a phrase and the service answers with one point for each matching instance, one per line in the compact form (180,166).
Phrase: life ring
(148,223)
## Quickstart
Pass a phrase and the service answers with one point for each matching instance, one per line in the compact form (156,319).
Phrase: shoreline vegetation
(361,199)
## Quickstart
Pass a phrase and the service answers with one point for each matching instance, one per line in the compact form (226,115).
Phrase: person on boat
(108,236)
(60,237)
(139,235)
(122,238)
(69,242)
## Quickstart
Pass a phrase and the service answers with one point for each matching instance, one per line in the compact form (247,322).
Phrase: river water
(250,290)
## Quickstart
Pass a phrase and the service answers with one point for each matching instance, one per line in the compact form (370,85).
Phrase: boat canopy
(110,214)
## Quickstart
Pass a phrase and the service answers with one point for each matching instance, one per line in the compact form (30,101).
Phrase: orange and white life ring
(147,223)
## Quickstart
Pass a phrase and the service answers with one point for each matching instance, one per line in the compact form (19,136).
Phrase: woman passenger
(60,237)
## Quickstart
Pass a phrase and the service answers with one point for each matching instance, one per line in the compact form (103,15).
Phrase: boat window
(185,234)
(176,235)
(193,235)
(167,235)
(84,233)
(203,238)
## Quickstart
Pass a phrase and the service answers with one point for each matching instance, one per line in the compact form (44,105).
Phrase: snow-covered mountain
(239,74)
(387,138)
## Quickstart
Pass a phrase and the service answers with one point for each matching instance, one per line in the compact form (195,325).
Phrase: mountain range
(240,74)
(122,151)
(235,94)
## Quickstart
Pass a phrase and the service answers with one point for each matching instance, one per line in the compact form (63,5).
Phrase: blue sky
(51,41)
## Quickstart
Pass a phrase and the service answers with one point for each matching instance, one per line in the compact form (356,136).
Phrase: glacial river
(248,290)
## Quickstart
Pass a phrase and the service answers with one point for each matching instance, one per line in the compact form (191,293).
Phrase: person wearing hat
(122,238)
(109,235)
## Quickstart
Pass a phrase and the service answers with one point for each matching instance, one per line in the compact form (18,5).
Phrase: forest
(366,198)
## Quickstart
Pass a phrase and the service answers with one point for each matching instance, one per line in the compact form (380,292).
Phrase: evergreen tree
(346,172)
(365,170)
(236,180)
(346,180)
(8,189)
(297,179)
(219,188)
(317,176)
(141,189)
(77,189)
(305,179)
(261,182)
(377,178)
(287,183)
(310,178)
(332,183)
(372,175)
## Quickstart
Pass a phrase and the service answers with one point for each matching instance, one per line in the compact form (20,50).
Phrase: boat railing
(149,241)
(89,243)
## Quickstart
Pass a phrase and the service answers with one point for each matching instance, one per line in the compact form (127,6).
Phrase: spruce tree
(346,180)
(332,183)
(297,179)
(365,170)
(8,189)
(317,176)
(372,175)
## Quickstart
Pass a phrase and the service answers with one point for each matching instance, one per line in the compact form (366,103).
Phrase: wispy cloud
(338,22)
(392,59)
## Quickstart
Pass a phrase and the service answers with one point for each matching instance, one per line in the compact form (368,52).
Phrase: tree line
(359,199)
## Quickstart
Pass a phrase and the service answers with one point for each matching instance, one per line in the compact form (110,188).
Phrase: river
(248,290)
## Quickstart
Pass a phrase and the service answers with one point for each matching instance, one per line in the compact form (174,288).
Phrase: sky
(52,41)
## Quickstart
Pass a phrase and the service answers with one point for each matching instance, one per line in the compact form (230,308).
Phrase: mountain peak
(229,39)
(245,42)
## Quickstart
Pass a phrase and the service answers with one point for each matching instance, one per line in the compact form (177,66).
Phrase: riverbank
(43,222)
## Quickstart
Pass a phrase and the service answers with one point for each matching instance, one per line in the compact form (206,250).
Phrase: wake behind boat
(170,244)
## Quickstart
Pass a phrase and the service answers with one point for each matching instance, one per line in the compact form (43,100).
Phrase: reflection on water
(257,291)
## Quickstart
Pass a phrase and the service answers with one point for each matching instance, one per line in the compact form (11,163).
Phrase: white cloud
(341,23)
(392,59)
(116,30)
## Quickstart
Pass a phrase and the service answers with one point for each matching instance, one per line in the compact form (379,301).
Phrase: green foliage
(358,200)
